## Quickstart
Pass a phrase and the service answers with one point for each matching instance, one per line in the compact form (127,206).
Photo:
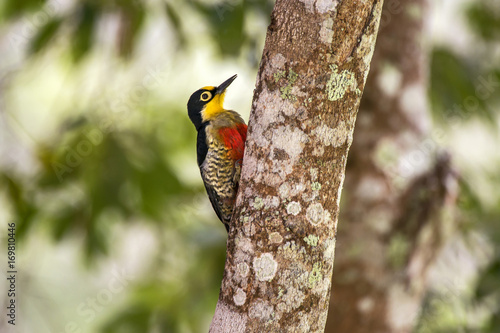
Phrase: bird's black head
(197,102)
(205,103)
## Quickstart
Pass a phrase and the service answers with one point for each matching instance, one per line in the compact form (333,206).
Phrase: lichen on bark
(281,245)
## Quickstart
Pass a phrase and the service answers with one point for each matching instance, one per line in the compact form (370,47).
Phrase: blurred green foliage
(484,18)
(225,18)
(457,88)
(487,290)
(96,173)
(14,9)
(45,34)
(475,214)
(459,83)
(465,87)
(226,25)
(116,170)
(122,161)
(174,306)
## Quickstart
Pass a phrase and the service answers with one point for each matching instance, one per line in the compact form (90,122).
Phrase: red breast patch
(234,138)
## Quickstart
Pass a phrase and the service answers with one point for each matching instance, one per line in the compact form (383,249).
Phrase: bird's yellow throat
(214,107)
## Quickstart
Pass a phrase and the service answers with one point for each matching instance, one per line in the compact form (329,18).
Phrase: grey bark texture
(399,191)
(280,248)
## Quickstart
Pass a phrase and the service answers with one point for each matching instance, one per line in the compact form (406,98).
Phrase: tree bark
(397,193)
(281,244)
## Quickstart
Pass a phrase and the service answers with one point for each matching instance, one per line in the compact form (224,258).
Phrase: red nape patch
(234,139)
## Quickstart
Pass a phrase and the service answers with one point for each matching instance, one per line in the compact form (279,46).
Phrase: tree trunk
(397,194)
(281,245)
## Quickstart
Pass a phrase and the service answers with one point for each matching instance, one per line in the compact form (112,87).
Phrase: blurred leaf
(65,221)
(477,216)
(137,318)
(119,171)
(226,25)
(11,9)
(494,324)
(474,214)
(154,304)
(452,89)
(467,200)
(489,282)
(131,21)
(175,20)
(175,305)
(488,286)
(73,123)
(24,209)
(226,20)
(44,35)
(265,7)
(485,20)
(85,20)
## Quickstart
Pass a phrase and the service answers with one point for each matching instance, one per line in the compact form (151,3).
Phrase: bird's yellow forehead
(208,88)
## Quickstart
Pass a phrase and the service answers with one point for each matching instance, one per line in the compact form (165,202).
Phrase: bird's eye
(205,96)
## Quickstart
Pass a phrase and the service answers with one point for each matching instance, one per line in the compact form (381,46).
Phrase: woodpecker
(219,146)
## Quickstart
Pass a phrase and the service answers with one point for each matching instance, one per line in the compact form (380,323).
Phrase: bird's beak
(222,88)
